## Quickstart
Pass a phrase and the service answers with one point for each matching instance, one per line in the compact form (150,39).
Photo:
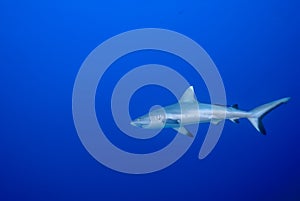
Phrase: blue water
(254,44)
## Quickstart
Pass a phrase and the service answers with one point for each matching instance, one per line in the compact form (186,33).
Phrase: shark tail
(257,114)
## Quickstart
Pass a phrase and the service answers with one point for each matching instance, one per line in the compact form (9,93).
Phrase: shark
(189,111)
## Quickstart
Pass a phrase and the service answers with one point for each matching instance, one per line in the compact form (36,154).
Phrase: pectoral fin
(183,131)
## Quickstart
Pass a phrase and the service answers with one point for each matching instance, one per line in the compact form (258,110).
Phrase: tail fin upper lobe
(258,113)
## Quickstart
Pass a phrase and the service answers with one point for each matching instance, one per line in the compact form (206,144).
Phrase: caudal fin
(258,113)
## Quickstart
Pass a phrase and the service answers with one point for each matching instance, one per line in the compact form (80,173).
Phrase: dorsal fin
(188,96)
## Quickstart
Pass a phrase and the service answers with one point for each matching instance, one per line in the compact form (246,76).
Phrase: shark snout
(141,122)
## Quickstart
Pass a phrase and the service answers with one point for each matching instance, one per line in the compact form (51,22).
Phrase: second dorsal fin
(235,106)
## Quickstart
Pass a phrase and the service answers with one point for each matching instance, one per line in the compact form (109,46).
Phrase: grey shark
(189,111)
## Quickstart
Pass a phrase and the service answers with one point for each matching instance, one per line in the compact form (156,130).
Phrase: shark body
(189,111)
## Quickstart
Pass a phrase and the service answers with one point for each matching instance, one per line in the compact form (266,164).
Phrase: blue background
(255,45)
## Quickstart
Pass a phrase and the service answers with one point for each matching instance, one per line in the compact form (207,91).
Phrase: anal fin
(235,120)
